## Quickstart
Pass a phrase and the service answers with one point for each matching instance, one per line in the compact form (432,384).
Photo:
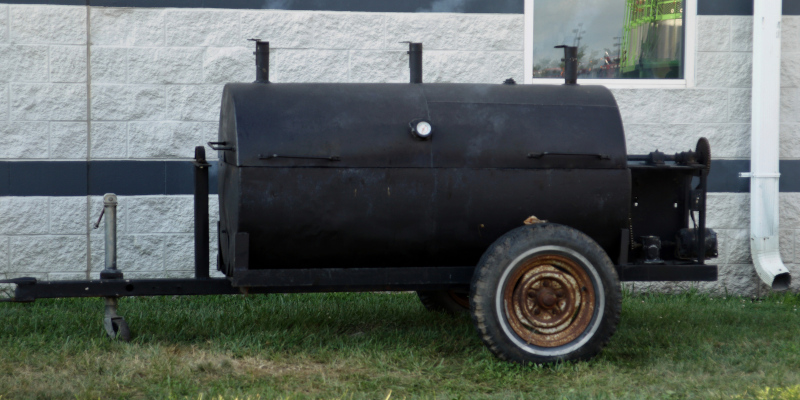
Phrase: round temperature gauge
(421,129)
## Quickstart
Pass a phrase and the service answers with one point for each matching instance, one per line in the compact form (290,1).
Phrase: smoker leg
(116,327)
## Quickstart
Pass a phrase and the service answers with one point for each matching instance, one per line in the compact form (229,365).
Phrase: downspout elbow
(767,261)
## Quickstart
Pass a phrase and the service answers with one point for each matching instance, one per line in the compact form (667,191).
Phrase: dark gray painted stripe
(81,178)
(469,6)
(704,7)
(132,178)
(740,7)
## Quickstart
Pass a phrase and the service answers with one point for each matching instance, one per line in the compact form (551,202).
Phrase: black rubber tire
(443,301)
(122,332)
(508,253)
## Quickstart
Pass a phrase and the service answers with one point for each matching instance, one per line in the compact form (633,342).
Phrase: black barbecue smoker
(517,203)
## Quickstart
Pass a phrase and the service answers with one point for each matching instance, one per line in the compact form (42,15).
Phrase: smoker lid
(474,125)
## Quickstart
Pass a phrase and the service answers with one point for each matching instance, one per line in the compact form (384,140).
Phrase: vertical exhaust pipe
(262,61)
(201,256)
(570,64)
(415,61)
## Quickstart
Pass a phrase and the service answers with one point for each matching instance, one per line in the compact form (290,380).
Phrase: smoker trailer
(518,203)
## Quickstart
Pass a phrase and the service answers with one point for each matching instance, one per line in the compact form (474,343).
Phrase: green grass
(366,345)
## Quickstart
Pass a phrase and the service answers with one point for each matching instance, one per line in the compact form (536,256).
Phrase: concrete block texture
(790,70)
(24,139)
(472,66)
(644,138)
(740,105)
(695,106)
(727,140)
(161,214)
(168,139)
(42,254)
(135,253)
(3,103)
(742,33)
(713,33)
(165,65)
(127,26)
(728,210)
(790,34)
(67,63)
(379,66)
(128,102)
(348,30)
(68,140)
(67,215)
(23,63)
(24,215)
(109,64)
(435,31)
(790,105)
(48,102)
(4,254)
(198,27)
(284,29)
(3,23)
(193,102)
(299,65)
(232,64)
(45,24)
(790,141)
(109,139)
(789,211)
(724,69)
(638,106)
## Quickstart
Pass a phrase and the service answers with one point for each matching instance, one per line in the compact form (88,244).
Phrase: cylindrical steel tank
(330,175)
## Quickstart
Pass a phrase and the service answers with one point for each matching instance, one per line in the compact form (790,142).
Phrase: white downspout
(764,172)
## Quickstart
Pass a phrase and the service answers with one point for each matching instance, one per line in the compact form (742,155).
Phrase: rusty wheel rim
(459,297)
(549,300)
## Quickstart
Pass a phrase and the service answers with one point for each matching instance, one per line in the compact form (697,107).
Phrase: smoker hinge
(547,153)
(271,156)
(219,146)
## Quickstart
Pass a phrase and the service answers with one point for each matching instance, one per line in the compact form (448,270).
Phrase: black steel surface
(317,217)
(390,200)
(271,281)
(667,273)
(415,62)
(366,125)
(201,233)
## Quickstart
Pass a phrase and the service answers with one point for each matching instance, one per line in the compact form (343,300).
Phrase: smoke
(277,4)
(452,6)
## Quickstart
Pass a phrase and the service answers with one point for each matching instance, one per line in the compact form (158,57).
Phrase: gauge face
(423,128)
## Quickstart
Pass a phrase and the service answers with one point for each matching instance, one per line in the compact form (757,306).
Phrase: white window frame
(690,46)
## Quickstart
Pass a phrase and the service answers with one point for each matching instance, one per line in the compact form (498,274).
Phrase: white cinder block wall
(151,88)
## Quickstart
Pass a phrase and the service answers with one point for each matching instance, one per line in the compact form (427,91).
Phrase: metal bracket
(219,146)
(759,175)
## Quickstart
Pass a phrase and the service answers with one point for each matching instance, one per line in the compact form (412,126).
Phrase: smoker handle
(271,156)
(547,153)
(219,146)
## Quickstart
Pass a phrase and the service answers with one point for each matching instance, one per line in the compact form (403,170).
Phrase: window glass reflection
(615,38)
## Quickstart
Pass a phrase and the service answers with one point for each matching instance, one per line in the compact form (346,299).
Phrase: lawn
(378,346)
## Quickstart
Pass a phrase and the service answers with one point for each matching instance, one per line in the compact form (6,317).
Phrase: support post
(415,61)
(262,61)
(110,211)
(200,213)
(701,231)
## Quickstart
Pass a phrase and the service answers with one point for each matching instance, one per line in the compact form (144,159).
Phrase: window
(620,42)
